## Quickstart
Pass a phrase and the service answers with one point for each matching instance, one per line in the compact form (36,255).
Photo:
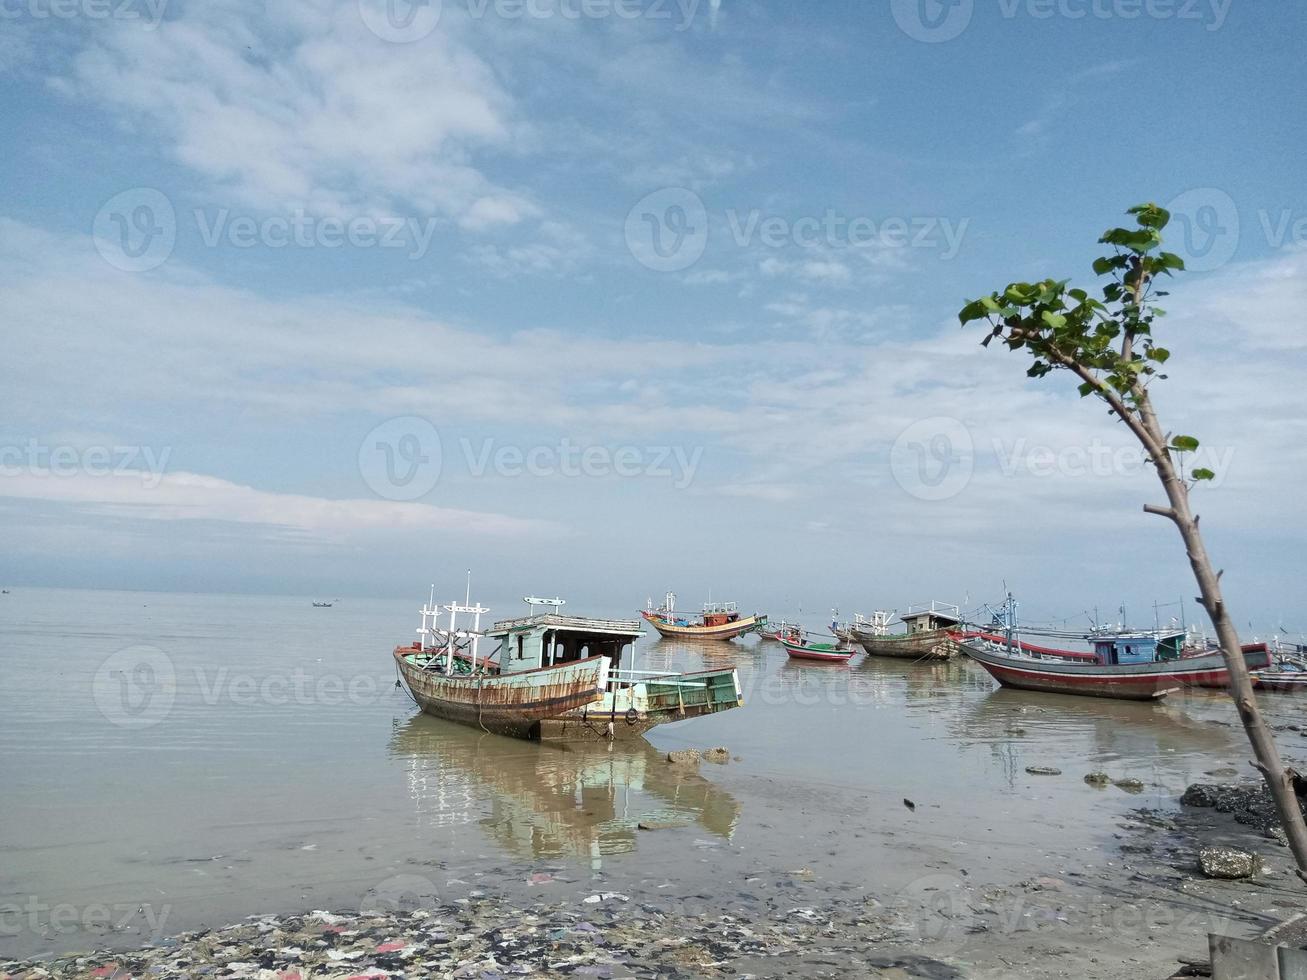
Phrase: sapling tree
(1110,346)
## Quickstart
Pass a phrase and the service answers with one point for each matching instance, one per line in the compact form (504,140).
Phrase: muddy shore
(1138,913)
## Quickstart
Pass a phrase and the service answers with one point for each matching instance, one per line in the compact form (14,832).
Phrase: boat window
(520,654)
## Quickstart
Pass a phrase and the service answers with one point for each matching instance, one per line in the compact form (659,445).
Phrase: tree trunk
(1278,780)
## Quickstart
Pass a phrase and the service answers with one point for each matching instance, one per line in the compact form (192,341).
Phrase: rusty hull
(506,704)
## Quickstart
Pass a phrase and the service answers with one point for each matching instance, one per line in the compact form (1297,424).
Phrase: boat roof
(577,624)
(1135,636)
(938,614)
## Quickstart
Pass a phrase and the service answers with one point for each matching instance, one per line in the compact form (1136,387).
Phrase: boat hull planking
(925,645)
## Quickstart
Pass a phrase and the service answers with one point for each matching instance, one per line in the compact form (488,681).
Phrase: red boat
(1256,655)
(824,652)
(1123,666)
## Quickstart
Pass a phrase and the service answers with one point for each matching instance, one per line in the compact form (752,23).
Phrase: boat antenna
(467,598)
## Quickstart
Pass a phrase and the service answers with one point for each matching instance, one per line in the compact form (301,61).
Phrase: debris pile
(605,935)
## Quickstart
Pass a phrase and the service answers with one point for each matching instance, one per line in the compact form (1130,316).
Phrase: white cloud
(299,104)
(195,497)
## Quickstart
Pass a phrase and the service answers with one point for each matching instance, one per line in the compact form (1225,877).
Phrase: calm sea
(176,760)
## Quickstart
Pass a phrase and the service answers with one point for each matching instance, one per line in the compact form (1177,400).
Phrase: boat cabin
(926,619)
(550,639)
(719,613)
(1137,648)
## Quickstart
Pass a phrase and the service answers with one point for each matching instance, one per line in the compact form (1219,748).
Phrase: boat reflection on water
(923,680)
(689,654)
(539,800)
(1125,737)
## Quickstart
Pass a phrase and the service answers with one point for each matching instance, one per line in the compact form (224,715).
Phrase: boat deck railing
(623,627)
(618,679)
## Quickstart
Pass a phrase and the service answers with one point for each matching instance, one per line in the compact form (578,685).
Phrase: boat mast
(430,612)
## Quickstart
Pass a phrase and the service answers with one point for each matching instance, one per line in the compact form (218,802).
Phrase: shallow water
(168,761)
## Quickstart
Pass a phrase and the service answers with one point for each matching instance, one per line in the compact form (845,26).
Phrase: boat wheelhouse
(552,676)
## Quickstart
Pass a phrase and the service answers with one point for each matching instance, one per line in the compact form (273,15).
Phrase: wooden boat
(554,677)
(825,652)
(928,633)
(1286,674)
(848,632)
(781,632)
(1125,665)
(322,605)
(718,621)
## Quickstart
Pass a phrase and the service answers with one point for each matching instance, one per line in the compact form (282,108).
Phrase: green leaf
(975,310)
(1019,293)
(1202,473)
(1055,320)
(1170,260)
(1086,389)
(1151,216)
(1159,354)
(1185,444)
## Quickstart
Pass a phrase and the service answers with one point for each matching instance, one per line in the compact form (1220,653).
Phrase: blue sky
(611,298)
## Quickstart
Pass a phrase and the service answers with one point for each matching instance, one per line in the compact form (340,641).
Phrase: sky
(606,298)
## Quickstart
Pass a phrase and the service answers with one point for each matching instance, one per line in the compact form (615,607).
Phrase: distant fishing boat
(780,631)
(1286,673)
(848,632)
(322,605)
(718,621)
(1127,665)
(552,676)
(927,633)
(803,649)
